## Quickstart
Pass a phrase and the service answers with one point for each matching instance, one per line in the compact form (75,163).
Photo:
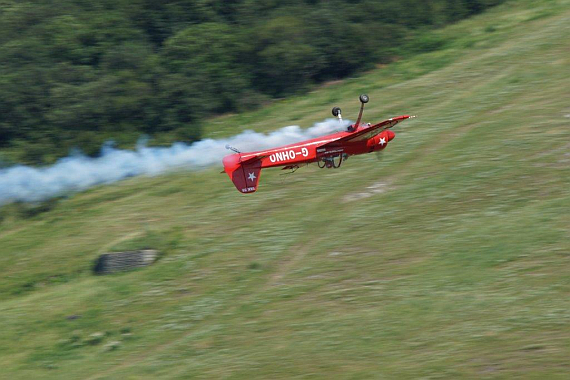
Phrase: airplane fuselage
(328,151)
(308,151)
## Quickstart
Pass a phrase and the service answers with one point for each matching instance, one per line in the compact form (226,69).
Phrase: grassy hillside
(449,258)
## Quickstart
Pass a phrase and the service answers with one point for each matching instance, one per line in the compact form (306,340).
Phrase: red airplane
(328,151)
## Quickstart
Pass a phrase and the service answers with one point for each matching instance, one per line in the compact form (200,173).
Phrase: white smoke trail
(78,172)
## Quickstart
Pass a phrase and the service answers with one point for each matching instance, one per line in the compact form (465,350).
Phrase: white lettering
(288,155)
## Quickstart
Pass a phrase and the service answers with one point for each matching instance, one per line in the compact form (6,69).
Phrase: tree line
(76,73)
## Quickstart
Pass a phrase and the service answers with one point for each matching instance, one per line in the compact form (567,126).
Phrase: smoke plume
(78,172)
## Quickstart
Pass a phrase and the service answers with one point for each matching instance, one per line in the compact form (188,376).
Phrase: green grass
(448,259)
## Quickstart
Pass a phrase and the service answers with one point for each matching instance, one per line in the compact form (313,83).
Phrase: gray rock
(123,261)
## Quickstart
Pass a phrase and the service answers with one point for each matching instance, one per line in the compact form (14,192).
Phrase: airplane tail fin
(244,174)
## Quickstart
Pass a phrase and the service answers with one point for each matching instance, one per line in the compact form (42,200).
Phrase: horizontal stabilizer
(244,175)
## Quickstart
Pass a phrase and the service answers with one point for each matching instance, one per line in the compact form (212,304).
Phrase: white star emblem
(251,176)
(382,141)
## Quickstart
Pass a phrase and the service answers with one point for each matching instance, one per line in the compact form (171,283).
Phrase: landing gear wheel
(336,166)
(364,98)
(335,111)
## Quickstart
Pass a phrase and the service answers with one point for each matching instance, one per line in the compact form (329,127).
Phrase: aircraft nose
(390,135)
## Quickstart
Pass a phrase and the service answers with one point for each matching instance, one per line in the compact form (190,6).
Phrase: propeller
(379,153)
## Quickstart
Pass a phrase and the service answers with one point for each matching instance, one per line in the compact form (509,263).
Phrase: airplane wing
(368,132)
